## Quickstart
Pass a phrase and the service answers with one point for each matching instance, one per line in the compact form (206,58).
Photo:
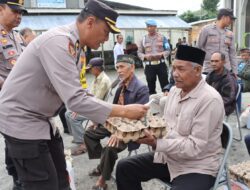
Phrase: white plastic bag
(244,117)
(70,169)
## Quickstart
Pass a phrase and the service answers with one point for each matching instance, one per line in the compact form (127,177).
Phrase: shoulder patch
(71,49)
(12,61)
(3,32)
(4,41)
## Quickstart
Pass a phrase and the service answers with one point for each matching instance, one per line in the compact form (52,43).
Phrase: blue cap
(151,22)
(95,62)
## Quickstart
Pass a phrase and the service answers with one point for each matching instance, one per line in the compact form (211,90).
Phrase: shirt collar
(100,76)
(130,84)
(194,93)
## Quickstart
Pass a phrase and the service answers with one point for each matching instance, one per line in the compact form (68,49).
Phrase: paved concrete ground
(82,165)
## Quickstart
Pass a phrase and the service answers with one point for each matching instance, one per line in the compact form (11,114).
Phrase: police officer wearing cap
(46,76)
(153,50)
(216,37)
(11,43)
(11,46)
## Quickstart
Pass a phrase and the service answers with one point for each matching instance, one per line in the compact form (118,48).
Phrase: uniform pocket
(30,160)
(212,41)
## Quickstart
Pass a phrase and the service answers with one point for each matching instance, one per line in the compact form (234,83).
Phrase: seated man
(244,73)
(131,90)
(223,81)
(99,88)
(189,154)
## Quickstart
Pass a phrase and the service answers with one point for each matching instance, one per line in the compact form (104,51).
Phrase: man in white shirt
(118,49)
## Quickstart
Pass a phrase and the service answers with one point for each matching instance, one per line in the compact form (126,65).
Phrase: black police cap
(192,54)
(226,12)
(15,4)
(103,12)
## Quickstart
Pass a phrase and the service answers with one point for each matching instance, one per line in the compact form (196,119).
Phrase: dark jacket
(136,93)
(226,85)
(244,74)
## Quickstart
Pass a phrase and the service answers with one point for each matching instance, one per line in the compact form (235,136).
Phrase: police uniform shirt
(213,39)
(11,47)
(44,77)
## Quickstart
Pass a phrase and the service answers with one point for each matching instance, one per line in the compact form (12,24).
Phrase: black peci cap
(226,12)
(188,53)
(126,59)
(15,4)
(103,12)
(95,62)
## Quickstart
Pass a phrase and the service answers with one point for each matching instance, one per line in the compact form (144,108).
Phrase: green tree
(210,5)
(189,16)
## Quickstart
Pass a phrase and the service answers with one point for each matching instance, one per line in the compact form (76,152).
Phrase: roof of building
(202,21)
(123,6)
(45,22)
(163,21)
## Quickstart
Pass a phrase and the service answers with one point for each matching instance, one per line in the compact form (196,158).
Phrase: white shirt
(118,50)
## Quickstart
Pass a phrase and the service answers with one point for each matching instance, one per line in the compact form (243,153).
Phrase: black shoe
(17,185)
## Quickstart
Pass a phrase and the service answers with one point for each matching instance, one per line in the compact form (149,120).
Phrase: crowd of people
(45,76)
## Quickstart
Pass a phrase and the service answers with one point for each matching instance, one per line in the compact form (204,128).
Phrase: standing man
(46,76)
(189,154)
(28,35)
(11,43)
(118,49)
(131,91)
(11,47)
(217,37)
(153,50)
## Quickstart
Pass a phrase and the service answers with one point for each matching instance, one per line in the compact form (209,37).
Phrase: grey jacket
(212,39)
(45,76)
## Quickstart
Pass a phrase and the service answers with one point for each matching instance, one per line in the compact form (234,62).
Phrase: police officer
(11,46)
(153,50)
(11,43)
(46,76)
(217,37)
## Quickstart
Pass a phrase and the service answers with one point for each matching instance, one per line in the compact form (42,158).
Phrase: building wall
(70,4)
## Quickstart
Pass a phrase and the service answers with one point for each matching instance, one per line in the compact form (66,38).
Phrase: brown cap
(226,12)
(15,4)
(103,12)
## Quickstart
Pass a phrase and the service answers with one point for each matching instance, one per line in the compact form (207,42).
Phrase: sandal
(80,149)
(97,187)
(95,173)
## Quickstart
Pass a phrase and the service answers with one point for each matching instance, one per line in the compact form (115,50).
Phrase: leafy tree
(189,16)
(210,5)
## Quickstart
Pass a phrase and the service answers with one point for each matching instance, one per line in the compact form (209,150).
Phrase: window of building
(51,3)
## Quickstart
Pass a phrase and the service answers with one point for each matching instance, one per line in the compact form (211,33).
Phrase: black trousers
(10,167)
(152,71)
(63,119)
(131,171)
(40,164)
(108,155)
